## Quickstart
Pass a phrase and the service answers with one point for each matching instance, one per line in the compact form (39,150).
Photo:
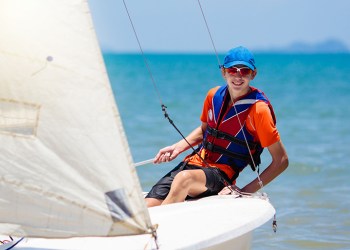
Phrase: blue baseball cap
(239,55)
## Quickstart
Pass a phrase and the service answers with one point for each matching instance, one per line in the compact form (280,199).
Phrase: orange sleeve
(208,103)
(260,124)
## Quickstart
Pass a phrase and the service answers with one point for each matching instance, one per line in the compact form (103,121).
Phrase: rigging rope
(11,243)
(166,115)
(143,54)
(211,37)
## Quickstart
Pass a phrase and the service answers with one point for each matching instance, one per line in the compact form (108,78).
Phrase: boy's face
(238,77)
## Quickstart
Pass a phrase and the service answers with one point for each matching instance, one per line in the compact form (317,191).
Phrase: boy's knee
(183,179)
(152,202)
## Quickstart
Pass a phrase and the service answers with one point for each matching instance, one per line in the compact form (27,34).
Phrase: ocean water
(310,95)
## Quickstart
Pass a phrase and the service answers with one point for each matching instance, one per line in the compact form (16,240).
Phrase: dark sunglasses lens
(245,71)
(232,71)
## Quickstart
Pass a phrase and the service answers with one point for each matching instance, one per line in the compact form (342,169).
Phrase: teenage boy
(237,122)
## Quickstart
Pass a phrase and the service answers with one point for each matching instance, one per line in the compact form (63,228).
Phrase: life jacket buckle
(214,132)
(209,146)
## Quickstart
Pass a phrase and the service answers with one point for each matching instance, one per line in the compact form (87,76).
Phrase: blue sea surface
(310,94)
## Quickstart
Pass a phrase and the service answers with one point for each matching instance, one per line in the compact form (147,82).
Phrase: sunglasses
(242,71)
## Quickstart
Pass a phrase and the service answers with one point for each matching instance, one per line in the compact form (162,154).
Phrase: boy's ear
(254,73)
(223,72)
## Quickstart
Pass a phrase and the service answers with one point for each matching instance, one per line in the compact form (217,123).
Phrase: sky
(178,25)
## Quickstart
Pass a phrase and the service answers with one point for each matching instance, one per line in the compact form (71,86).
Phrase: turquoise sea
(310,94)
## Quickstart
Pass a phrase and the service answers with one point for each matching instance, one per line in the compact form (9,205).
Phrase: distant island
(327,46)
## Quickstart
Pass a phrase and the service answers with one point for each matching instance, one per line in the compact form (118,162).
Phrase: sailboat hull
(218,222)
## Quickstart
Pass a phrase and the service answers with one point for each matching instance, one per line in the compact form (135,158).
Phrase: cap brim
(230,64)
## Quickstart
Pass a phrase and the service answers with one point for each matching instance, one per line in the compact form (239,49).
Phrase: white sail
(65,165)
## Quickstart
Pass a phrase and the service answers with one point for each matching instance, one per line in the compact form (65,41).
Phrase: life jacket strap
(222,135)
(217,149)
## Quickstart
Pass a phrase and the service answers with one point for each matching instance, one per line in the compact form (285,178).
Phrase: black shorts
(216,180)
